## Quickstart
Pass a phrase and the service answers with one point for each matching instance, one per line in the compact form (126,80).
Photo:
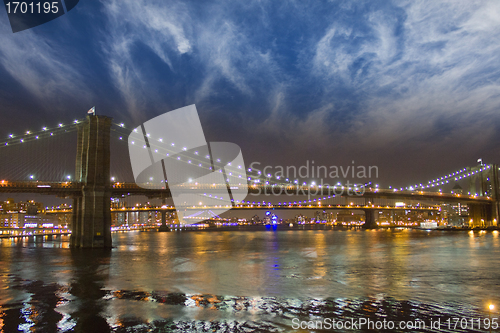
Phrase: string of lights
(45,132)
(254,177)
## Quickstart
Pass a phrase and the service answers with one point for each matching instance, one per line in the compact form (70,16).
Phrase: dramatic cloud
(391,81)
(218,49)
(416,66)
(50,73)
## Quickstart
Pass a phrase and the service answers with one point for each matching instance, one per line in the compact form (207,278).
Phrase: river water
(247,280)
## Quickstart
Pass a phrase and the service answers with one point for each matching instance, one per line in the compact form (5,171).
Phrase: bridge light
(68,177)
(31,176)
(75,121)
(122,125)
(61,125)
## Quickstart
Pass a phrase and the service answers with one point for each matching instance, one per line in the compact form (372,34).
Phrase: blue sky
(409,86)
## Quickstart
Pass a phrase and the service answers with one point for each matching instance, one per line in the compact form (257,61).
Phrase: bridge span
(92,189)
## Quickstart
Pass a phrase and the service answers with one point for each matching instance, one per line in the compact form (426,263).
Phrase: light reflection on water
(246,279)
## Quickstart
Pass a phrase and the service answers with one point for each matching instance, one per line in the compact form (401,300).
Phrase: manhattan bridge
(28,165)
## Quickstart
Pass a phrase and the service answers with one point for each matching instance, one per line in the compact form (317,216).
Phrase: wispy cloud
(434,65)
(366,75)
(50,73)
(219,49)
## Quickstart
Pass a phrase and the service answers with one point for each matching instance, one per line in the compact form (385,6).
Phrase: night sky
(409,86)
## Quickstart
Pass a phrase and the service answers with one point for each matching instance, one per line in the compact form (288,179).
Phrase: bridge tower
(91,209)
(485,183)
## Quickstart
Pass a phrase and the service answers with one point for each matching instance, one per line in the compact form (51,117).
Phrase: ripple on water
(53,307)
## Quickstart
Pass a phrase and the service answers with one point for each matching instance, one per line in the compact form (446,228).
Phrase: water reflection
(245,280)
(91,273)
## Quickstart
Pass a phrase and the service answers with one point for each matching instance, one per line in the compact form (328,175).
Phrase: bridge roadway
(250,207)
(74,189)
(370,209)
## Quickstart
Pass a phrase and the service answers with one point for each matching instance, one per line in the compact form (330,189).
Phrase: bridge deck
(72,189)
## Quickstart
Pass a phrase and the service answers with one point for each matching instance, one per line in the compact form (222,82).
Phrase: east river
(250,279)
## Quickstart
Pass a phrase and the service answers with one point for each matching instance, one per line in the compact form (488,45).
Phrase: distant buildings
(26,214)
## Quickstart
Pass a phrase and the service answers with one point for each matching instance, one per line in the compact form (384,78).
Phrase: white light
(122,125)
(61,125)
(44,129)
(69,177)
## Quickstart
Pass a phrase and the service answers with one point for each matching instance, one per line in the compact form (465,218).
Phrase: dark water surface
(244,281)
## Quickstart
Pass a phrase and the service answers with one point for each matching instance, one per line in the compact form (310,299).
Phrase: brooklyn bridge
(92,187)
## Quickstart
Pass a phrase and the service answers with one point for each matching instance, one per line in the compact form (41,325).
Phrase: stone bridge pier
(91,219)
(370,219)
